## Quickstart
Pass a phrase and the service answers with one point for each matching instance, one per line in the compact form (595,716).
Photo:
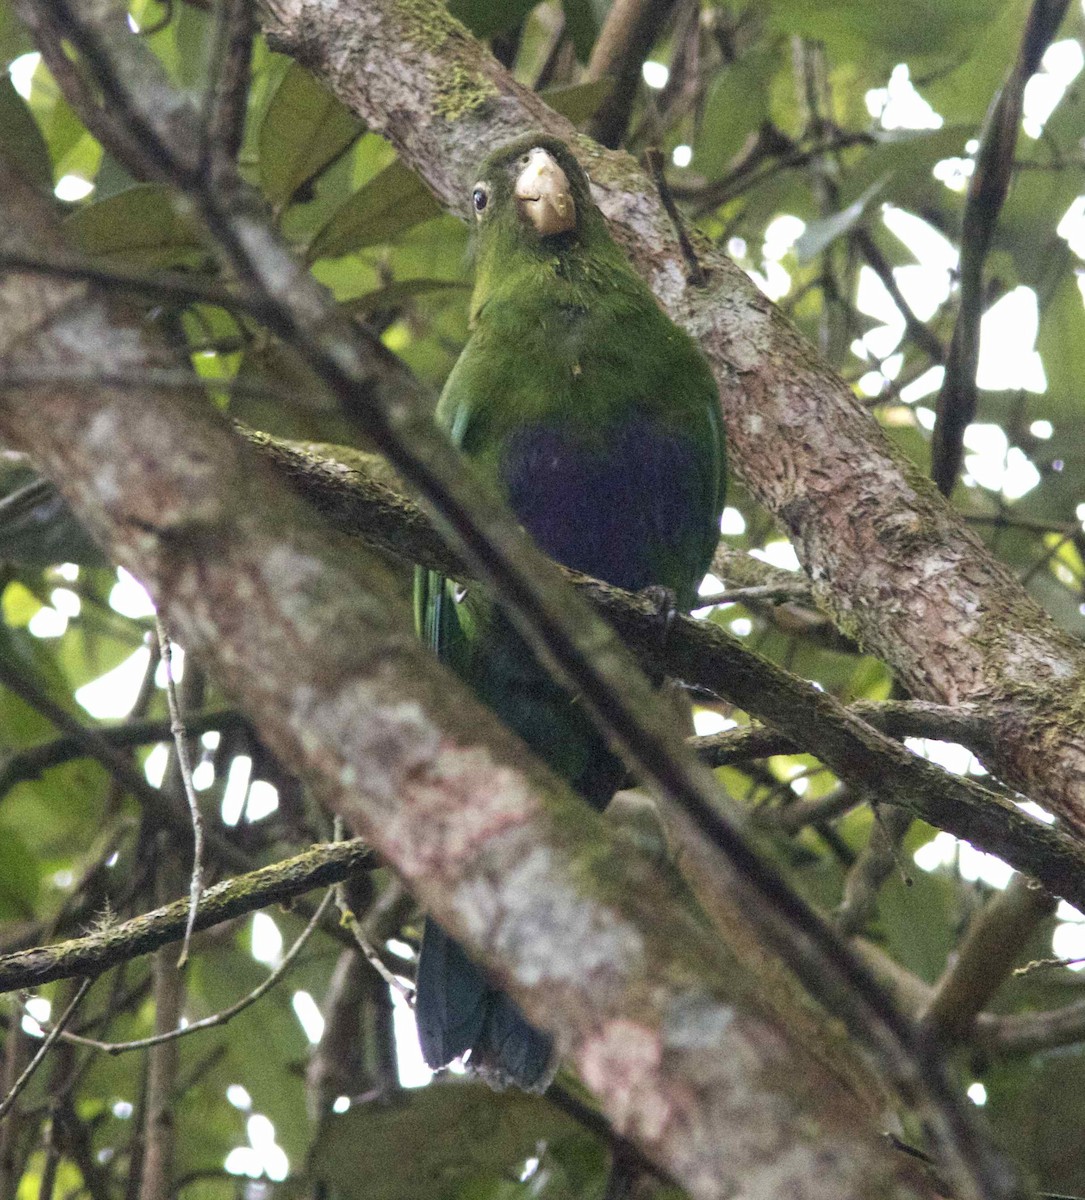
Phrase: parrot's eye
(480,198)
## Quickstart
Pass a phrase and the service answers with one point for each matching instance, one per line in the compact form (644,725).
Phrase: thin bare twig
(184,763)
(653,163)
(54,1032)
(226,1014)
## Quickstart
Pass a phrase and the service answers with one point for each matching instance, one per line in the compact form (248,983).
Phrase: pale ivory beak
(544,196)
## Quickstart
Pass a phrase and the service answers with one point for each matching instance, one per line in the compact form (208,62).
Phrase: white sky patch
(236,790)
(47,623)
(742,626)
(778,554)
(129,597)
(1041,429)
(413,1071)
(66,602)
(1008,359)
(899,106)
(123,1110)
(239,1097)
(341,1104)
(310,1018)
(267,940)
(775,282)
(1072,226)
(977,1093)
(154,766)
(781,234)
(73,187)
(923,385)
(732,523)
(1034,810)
(263,800)
(705,722)
(956,759)
(996,465)
(1062,64)
(736,247)
(944,850)
(954,172)
(203,775)
(874,382)
(177,666)
(21,71)
(709,586)
(112,694)
(37,1009)
(682,155)
(1068,941)
(925,417)
(929,246)
(655,74)
(262,1156)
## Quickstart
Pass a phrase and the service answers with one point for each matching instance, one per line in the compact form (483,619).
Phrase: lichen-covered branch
(112,944)
(890,562)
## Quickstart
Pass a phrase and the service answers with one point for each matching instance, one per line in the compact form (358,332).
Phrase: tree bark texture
(890,562)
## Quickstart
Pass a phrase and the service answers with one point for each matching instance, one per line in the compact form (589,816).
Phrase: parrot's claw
(665,602)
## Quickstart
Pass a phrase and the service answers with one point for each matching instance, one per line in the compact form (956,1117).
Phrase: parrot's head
(531,201)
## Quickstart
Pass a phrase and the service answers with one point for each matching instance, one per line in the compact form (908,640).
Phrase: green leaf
(582,21)
(140,226)
(820,234)
(304,129)
(432,1142)
(21,141)
(903,29)
(485,18)
(388,205)
(14,39)
(396,295)
(738,102)
(19,877)
(579,101)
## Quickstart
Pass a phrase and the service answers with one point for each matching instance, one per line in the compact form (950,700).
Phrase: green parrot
(597,420)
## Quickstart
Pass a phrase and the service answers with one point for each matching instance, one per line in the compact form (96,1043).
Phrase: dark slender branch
(117,764)
(189,288)
(31,762)
(880,265)
(90,955)
(875,863)
(653,162)
(226,101)
(54,1032)
(987,191)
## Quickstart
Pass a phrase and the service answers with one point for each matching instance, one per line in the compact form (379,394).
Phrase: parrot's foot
(665,602)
